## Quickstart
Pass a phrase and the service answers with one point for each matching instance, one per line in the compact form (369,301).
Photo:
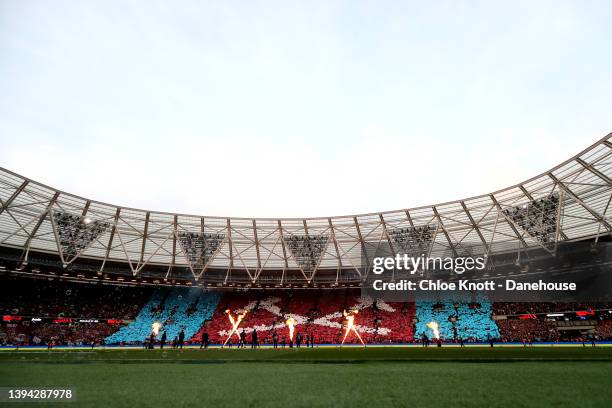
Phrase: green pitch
(351,377)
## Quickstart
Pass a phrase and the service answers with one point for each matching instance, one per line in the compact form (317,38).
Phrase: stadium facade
(47,232)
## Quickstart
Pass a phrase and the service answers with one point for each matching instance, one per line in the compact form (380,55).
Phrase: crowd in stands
(318,316)
(530,330)
(43,298)
(69,334)
(456,321)
(176,310)
(604,329)
(34,298)
(545,307)
(74,334)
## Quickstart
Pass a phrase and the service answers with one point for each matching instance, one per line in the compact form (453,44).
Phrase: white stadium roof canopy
(570,202)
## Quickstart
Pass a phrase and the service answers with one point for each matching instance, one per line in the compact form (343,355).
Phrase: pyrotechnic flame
(235,323)
(240,317)
(434,329)
(290,323)
(155,328)
(350,325)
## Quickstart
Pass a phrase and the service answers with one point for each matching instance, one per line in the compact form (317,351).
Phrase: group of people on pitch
(309,339)
(177,343)
(243,342)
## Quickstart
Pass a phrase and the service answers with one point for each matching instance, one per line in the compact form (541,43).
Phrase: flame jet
(434,329)
(350,325)
(291,325)
(235,323)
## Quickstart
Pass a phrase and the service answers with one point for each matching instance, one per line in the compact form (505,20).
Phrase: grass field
(351,377)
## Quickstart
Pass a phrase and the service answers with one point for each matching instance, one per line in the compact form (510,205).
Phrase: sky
(294,109)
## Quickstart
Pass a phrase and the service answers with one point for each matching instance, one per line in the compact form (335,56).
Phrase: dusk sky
(286,108)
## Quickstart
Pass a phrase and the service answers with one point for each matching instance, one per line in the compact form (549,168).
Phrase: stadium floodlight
(307,250)
(413,241)
(537,218)
(75,233)
(199,248)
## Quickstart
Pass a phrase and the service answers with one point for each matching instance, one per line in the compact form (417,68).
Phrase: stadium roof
(567,203)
